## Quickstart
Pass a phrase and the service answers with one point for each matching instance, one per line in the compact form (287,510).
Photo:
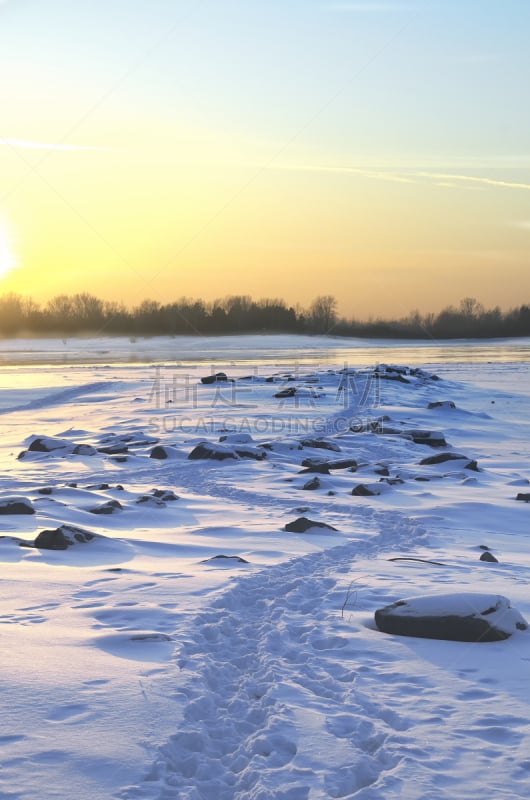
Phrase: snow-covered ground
(136,664)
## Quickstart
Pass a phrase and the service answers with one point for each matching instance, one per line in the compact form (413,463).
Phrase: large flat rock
(460,617)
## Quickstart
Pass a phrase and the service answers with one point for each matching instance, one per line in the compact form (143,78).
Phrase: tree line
(83,313)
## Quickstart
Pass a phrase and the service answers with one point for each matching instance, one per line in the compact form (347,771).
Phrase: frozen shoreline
(257,350)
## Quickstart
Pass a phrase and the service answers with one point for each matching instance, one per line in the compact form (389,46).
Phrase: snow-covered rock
(236,438)
(163,451)
(110,507)
(61,538)
(303,524)
(16,505)
(321,444)
(460,617)
(212,451)
(47,444)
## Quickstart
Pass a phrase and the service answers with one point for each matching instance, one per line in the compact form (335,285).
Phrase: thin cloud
(29,144)
(442,176)
(447,180)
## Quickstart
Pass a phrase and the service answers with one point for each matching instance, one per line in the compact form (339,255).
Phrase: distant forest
(83,313)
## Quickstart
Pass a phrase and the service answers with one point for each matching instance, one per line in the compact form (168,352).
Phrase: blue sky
(279,148)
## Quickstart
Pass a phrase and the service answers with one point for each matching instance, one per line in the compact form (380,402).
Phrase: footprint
(475,694)
(342,725)
(96,682)
(13,739)
(70,713)
(276,748)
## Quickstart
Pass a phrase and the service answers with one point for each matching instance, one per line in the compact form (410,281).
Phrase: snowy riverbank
(135,666)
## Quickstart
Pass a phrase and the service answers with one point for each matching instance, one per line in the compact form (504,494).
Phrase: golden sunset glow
(7,258)
(279,150)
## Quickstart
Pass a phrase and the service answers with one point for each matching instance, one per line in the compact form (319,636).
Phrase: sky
(374,150)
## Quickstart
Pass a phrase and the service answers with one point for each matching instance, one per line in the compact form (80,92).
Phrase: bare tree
(471,307)
(323,313)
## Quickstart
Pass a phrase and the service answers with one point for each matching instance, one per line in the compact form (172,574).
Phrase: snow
(140,664)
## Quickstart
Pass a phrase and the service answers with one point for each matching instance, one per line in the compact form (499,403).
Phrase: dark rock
(150,500)
(110,507)
(168,495)
(343,463)
(382,471)
(524,496)
(391,376)
(98,487)
(487,556)
(314,461)
(322,444)
(16,505)
(463,617)
(154,636)
(392,481)
(314,483)
(46,444)
(442,404)
(428,438)
(114,449)
(45,490)
(303,524)
(441,458)
(214,452)
(289,391)
(239,559)
(61,538)
(320,467)
(421,478)
(84,450)
(257,453)
(51,540)
(219,377)
(364,491)
(472,465)
(159,452)
(399,370)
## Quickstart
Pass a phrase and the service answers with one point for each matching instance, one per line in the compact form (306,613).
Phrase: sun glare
(8,261)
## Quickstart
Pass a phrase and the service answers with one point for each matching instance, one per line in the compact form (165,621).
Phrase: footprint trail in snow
(283,696)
